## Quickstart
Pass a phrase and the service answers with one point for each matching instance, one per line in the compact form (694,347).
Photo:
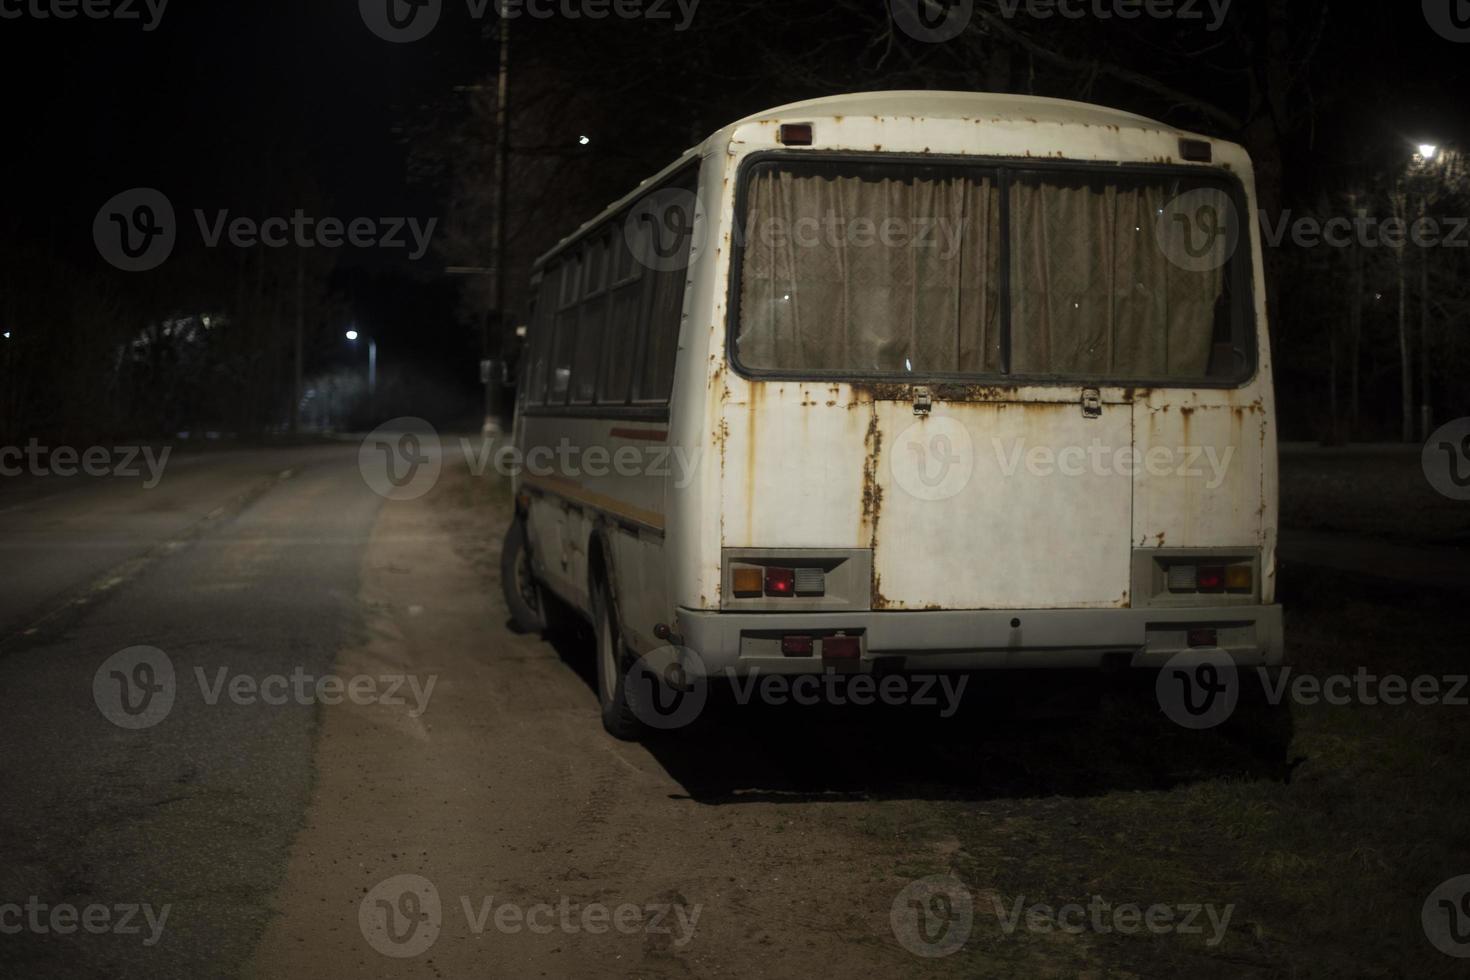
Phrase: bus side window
(540,339)
(621,347)
(591,321)
(666,295)
(564,333)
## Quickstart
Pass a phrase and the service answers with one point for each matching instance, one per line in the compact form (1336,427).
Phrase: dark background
(271,106)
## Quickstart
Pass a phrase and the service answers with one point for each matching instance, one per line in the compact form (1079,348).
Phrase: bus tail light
(797,645)
(841,648)
(1238,578)
(780,581)
(746,582)
(1211,578)
(1180,578)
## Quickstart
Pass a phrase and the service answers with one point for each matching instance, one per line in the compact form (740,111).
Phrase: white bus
(906,381)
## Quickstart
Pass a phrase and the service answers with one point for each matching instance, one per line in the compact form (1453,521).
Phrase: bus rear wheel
(618,716)
(525,599)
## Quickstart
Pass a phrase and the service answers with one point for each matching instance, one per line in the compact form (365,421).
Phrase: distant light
(584,140)
(1428,150)
(206,322)
(352,335)
(7,335)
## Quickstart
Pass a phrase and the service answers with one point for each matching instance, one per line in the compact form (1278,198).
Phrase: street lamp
(352,335)
(1427,151)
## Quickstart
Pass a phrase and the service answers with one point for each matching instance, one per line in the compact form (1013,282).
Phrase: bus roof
(910,103)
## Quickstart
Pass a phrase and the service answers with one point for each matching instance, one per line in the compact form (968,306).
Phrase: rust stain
(873,499)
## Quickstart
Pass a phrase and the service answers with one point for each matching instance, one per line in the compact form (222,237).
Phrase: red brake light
(1202,637)
(780,581)
(1211,578)
(796,645)
(841,648)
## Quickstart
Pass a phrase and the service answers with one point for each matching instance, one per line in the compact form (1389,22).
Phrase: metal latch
(923,401)
(1091,403)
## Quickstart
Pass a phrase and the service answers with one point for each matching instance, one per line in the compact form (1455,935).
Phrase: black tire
(612,665)
(523,596)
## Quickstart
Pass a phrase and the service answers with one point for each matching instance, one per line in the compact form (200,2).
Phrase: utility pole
(296,372)
(493,344)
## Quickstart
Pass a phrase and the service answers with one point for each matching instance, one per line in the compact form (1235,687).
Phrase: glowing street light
(352,335)
(1427,151)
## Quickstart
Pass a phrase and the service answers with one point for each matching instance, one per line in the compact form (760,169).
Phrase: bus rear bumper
(941,640)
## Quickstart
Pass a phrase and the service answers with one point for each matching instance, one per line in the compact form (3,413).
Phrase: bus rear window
(892,270)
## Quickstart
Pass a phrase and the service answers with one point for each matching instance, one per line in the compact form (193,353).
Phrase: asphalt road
(244,561)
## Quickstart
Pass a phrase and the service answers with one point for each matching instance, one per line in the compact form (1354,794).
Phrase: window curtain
(1092,292)
(871,275)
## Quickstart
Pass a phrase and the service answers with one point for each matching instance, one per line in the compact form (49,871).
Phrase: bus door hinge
(1091,403)
(923,401)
